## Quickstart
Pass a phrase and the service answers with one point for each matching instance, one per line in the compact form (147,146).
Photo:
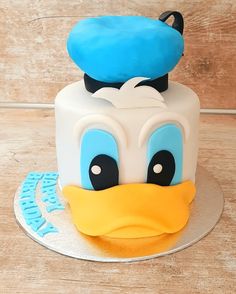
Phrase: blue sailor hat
(114,49)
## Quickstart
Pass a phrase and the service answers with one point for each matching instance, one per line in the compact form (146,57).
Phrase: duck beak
(130,210)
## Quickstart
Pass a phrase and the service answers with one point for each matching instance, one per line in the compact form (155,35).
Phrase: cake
(126,136)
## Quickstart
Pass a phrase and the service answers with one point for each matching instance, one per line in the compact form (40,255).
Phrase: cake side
(126,137)
(74,103)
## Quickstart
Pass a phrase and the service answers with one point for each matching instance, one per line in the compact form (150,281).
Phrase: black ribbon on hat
(92,85)
(161,83)
(178,23)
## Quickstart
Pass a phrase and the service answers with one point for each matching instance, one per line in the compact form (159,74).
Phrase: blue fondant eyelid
(168,137)
(95,142)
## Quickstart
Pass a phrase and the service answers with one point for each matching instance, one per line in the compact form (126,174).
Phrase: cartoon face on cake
(127,150)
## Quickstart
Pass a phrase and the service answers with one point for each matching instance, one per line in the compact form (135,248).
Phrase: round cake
(126,136)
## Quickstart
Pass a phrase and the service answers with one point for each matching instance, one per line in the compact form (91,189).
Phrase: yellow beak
(130,210)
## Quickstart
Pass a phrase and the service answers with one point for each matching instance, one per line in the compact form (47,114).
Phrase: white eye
(157,168)
(96,169)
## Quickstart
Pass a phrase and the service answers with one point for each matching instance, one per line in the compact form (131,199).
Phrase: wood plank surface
(209,266)
(34,63)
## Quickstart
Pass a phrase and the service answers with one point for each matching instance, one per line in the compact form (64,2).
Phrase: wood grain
(27,143)
(35,66)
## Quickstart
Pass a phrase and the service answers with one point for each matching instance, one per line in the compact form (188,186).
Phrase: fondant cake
(126,137)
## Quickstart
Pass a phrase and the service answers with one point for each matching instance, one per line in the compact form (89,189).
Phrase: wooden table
(27,144)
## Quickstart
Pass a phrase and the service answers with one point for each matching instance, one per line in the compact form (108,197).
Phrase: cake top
(114,49)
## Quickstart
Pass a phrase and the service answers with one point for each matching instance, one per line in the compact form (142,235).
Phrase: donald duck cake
(126,136)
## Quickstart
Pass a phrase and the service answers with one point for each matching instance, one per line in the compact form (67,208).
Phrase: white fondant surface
(130,96)
(76,110)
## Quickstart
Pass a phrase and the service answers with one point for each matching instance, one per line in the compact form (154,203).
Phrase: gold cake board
(206,210)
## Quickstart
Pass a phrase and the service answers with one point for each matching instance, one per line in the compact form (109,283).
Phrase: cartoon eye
(165,156)
(98,160)
(103,172)
(161,168)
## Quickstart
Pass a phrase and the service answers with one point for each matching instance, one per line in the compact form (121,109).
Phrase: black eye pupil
(103,172)
(161,168)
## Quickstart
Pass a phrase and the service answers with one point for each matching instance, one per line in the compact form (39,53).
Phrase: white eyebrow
(158,120)
(97,119)
(130,96)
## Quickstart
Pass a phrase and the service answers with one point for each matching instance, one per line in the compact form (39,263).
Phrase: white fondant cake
(77,110)
(127,140)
